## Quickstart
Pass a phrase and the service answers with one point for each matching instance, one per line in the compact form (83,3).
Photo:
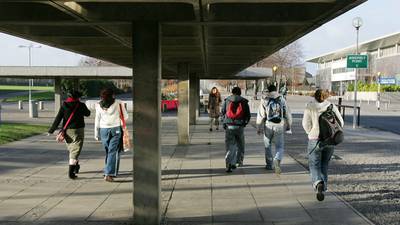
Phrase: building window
(342,70)
(389,51)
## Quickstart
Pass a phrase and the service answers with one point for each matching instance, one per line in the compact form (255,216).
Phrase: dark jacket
(246,108)
(65,111)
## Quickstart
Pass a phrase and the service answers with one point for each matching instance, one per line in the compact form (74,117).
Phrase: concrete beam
(194,95)
(147,123)
(183,98)
(57,95)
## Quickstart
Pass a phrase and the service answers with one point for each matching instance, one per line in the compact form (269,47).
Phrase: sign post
(356,62)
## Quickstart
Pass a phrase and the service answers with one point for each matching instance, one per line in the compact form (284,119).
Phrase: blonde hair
(321,95)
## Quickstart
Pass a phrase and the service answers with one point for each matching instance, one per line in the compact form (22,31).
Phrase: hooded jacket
(77,121)
(311,116)
(262,113)
(246,109)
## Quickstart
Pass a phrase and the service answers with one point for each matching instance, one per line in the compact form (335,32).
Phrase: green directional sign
(357,61)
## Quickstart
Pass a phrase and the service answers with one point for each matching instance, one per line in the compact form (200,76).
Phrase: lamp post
(357,23)
(29,47)
(274,69)
(378,100)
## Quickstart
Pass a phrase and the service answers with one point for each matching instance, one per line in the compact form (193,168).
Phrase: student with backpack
(323,124)
(273,119)
(236,115)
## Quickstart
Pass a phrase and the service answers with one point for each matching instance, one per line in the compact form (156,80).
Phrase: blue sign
(387,81)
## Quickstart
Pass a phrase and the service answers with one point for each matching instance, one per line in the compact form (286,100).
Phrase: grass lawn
(41,96)
(25,88)
(10,132)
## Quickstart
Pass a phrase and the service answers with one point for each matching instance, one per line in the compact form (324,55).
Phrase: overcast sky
(380,18)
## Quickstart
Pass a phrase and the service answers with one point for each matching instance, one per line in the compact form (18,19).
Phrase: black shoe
(233,167)
(77,168)
(210,129)
(268,167)
(71,172)
(217,128)
(228,170)
(320,191)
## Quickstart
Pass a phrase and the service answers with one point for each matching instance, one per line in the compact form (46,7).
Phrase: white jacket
(262,113)
(108,118)
(311,116)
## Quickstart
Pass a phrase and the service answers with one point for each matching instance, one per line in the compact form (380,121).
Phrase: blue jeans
(234,143)
(273,134)
(318,162)
(112,142)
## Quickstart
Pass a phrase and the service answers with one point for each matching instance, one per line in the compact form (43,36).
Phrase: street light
(29,47)
(378,100)
(357,23)
(274,69)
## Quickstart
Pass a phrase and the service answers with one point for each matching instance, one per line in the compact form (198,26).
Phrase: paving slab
(34,188)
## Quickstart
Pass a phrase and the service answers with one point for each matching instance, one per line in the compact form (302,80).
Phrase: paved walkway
(34,188)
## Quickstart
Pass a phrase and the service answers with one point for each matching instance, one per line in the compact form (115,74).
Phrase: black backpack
(275,110)
(330,129)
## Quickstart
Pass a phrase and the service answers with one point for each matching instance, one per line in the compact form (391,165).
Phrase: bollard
(33,109)
(41,107)
(20,105)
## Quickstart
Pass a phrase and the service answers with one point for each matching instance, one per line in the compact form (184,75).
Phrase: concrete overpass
(181,39)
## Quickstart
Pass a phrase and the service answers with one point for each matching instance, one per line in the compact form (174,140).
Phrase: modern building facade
(383,56)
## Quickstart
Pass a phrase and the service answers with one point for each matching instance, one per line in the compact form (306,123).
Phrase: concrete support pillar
(146,123)
(57,95)
(183,108)
(194,95)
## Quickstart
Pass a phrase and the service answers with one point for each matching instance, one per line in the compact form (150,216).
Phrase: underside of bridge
(186,40)
(218,38)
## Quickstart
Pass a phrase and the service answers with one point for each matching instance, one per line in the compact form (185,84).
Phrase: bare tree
(285,59)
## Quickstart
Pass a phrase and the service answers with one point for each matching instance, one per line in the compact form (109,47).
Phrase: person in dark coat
(214,102)
(75,131)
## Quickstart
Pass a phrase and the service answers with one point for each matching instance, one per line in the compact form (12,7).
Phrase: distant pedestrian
(108,129)
(74,111)
(319,152)
(214,102)
(283,90)
(273,119)
(236,113)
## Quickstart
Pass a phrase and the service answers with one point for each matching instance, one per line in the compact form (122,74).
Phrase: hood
(273,94)
(236,98)
(320,107)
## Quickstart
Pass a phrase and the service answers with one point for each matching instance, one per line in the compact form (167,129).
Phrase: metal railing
(342,110)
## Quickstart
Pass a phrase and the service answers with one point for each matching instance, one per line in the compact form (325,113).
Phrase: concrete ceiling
(219,38)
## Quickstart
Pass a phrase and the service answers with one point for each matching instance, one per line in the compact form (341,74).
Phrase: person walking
(319,153)
(108,129)
(74,111)
(236,114)
(214,102)
(273,119)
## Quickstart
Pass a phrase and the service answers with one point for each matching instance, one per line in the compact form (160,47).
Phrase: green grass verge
(10,132)
(41,96)
(25,88)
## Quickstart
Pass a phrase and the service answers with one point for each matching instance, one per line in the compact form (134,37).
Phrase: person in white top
(108,129)
(319,155)
(273,120)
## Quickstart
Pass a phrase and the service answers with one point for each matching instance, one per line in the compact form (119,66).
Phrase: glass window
(388,51)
